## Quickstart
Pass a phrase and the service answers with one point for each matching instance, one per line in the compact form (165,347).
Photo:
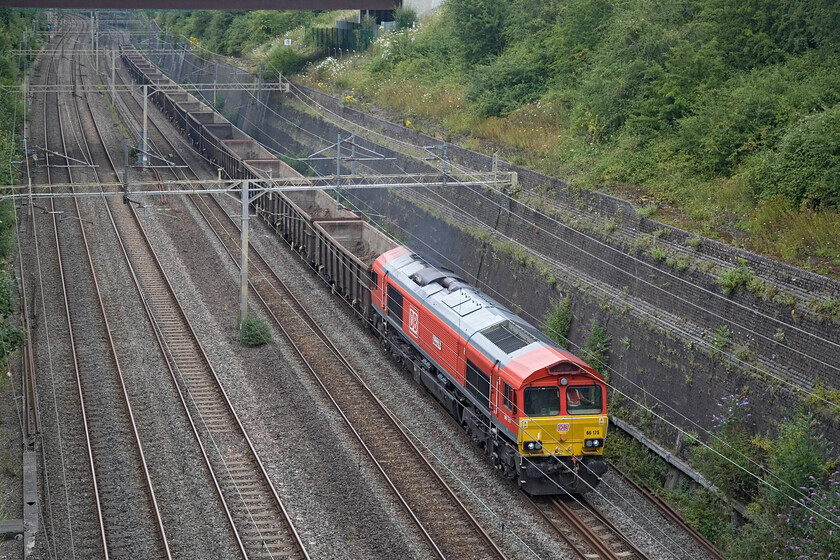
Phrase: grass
(732,278)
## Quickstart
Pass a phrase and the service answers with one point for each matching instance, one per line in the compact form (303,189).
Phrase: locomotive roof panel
(523,351)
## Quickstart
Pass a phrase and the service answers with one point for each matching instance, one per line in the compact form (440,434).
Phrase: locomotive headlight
(593,443)
(532,445)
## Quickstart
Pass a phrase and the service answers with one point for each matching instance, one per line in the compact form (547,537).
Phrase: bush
(559,321)
(726,460)
(405,17)
(790,513)
(510,81)
(798,458)
(478,26)
(255,331)
(285,60)
(596,346)
(805,167)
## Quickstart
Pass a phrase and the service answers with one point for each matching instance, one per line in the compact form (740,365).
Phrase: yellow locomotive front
(562,429)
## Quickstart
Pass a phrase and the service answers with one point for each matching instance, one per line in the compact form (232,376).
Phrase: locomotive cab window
(541,401)
(583,399)
(374,280)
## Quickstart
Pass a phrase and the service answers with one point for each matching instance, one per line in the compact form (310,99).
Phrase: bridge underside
(203,4)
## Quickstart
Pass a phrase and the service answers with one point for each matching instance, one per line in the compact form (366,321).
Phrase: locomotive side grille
(395,304)
(478,383)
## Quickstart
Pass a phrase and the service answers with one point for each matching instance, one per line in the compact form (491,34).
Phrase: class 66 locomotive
(538,411)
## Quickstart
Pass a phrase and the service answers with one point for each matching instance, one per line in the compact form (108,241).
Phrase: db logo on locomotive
(413,320)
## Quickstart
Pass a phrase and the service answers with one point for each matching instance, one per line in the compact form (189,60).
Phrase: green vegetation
(405,18)
(646,211)
(732,437)
(11,337)
(721,337)
(725,113)
(596,347)
(258,35)
(234,33)
(559,321)
(787,482)
(716,115)
(635,459)
(13,25)
(658,253)
(255,331)
(734,277)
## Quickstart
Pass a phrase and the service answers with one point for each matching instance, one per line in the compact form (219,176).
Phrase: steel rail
(334,350)
(60,259)
(51,534)
(111,342)
(65,88)
(581,552)
(668,511)
(561,516)
(226,401)
(169,361)
(166,348)
(588,506)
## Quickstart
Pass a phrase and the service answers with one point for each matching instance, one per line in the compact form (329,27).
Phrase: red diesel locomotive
(537,410)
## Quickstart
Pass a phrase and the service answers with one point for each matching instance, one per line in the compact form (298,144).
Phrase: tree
(479,27)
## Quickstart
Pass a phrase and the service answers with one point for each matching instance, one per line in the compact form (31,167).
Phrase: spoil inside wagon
(271,167)
(359,238)
(318,205)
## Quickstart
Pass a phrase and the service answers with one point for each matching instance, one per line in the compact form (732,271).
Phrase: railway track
(449,527)
(126,526)
(668,511)
(61,424)
(262,529)
(452,531)
(590,534)
(260,524)
(227,232)
(105,411)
